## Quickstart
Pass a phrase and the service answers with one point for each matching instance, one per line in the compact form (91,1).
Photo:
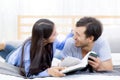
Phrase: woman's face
(53,36)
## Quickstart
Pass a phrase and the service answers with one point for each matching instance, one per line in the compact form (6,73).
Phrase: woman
(34,57)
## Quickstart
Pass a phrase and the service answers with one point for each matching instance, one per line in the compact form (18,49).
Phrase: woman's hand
(55,71)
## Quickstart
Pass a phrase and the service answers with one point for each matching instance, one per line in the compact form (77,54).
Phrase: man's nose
(74,37)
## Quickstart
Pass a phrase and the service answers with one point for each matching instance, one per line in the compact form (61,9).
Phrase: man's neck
(86,49)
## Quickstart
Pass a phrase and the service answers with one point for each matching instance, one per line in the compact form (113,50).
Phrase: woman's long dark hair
(40,55)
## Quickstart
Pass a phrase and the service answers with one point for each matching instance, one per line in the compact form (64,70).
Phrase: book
(74,64)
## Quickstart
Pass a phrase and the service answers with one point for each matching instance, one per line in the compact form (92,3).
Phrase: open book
(74,64)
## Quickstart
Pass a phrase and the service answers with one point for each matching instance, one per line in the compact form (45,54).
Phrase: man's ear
(91,38)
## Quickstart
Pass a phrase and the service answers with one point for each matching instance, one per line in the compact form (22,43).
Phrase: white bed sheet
(116,61)
(70,77)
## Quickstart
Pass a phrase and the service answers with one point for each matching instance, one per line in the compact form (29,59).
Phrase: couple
(36,54)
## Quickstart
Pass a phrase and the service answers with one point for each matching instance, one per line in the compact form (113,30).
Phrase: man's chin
(77,45)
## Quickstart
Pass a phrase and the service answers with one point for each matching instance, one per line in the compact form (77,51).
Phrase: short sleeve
(103,49)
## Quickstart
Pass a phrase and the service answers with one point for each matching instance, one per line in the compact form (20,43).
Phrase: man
(87,37)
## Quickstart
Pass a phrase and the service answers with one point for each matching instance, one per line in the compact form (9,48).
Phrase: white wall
(8,19)
(71,7)
(9,9)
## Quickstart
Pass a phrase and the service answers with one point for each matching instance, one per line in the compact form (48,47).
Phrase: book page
(70,61)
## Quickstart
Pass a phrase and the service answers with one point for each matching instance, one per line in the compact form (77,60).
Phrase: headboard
(64,25)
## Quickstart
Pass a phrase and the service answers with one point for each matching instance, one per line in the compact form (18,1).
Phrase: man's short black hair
(93,27)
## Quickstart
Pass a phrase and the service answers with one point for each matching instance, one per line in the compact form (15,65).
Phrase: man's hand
(55,71)
(94,62)
(98,65)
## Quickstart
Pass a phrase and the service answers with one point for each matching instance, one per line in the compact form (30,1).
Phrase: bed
(25,23)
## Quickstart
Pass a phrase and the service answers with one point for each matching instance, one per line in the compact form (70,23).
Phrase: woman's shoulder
(16,54)
(27,50)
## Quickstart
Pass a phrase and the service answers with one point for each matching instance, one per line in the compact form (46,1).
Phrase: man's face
(80,37)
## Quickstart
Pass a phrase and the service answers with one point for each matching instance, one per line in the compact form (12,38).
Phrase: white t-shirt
(101,47)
